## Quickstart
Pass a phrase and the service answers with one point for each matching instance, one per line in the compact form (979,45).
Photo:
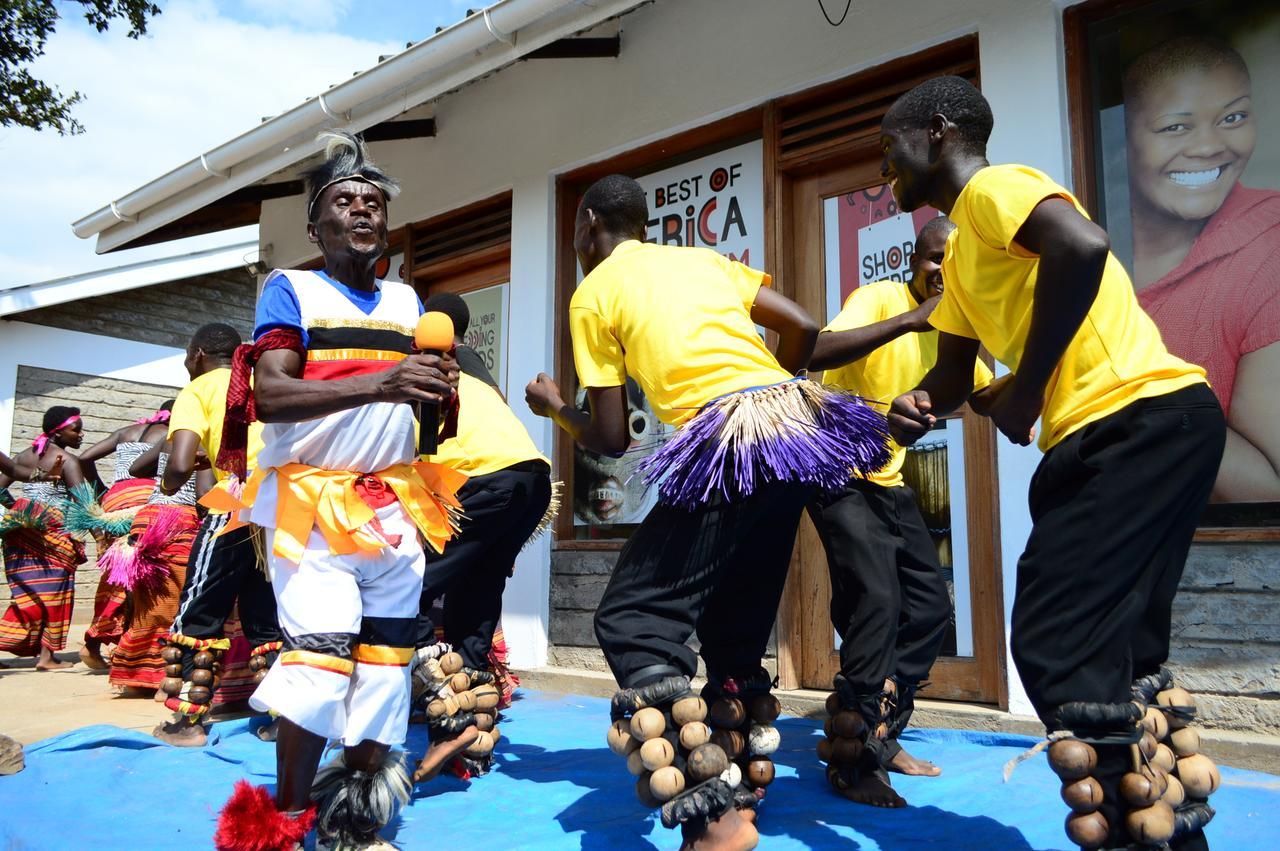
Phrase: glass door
(846,232)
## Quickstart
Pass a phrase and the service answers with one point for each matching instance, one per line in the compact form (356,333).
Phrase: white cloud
(197,79)
(309,14)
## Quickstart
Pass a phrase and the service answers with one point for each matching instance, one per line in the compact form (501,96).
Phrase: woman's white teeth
(1196,178)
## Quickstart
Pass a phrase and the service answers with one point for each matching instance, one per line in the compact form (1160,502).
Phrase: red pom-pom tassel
(249,821)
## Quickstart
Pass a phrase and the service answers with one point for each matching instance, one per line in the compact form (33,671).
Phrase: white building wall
(531,349)
(73,351)
(683,64)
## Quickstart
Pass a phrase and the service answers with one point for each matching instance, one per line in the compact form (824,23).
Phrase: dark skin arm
(205,480)
(282,396)
(144,466)
(944,389)
(72,471)
(185,458)
(104,447)
(982,400)
(9,472)
(604,430)
(797,331)
(18,469)
(837,348)
(1073,252)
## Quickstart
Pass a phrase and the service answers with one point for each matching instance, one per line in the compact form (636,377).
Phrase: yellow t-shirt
(201,406)
(1117,356)
(892,369)
(490,436)
(677,320)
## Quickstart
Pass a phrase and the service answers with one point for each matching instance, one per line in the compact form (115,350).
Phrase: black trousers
(1114,507)
(221,572)
(501,510)
(889,601)
(717,571)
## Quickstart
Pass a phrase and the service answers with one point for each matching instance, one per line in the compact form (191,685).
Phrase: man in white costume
(343,504)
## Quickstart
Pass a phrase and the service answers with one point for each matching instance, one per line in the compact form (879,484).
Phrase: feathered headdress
(345,158)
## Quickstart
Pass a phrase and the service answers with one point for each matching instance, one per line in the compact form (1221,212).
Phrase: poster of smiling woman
(1187,146)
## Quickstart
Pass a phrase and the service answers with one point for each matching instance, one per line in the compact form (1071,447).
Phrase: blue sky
(376,20)
(205,72)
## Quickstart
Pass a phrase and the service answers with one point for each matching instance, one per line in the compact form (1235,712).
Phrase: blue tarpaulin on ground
(557,786)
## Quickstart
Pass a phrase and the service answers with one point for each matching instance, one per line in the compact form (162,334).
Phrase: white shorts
(349,625)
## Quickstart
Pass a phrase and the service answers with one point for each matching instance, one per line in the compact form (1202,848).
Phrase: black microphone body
(429,421)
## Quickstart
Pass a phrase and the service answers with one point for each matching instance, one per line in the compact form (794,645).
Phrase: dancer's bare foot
(181,734)
(91,655)
(874,790)
(733,831)
(136,691)
(55,665)
(439,754)
(48,662)
(905,763)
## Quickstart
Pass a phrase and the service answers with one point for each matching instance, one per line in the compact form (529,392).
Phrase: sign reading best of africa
(715,202)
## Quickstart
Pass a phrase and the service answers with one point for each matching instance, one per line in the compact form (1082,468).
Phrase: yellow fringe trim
(112,516)
(258,537)
(548,516)
(769,413)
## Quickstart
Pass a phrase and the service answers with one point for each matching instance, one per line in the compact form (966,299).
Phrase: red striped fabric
(40,568)
(136,660)
(333,369)
(110,602)
(237,680)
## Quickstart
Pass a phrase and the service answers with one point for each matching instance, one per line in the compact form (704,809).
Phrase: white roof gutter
(471,48)
(129,277)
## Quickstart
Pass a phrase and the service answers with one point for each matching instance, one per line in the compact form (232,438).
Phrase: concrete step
(1242,750)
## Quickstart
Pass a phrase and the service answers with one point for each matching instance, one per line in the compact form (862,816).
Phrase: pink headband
(161,416)
(42,441)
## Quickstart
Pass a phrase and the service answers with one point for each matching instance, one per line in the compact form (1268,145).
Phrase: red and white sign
(716,201)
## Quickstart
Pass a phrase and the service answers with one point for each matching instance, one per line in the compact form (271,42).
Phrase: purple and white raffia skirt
(799,431)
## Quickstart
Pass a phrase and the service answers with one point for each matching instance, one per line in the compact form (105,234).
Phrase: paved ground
(35,705)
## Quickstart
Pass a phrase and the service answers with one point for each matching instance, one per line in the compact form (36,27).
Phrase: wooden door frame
(803,615)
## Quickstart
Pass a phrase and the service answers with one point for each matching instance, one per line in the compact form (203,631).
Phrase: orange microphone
(433,336)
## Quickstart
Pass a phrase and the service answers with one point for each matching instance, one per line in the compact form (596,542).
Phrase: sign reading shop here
(714,202)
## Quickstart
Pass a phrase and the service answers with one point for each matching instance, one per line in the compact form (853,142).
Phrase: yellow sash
(309,497)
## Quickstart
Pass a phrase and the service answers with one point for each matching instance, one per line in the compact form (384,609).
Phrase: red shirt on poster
(1223,300)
